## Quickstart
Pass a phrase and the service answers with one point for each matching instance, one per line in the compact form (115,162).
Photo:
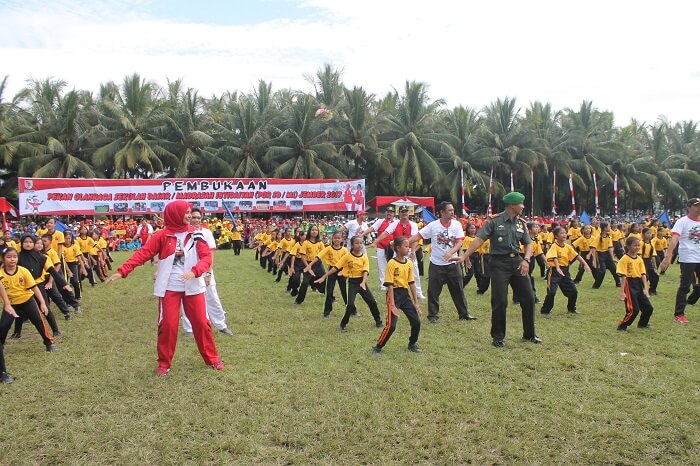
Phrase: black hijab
(31,260)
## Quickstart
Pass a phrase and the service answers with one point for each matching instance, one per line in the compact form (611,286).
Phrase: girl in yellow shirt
(331,255)
(559,257)
(308,252)
(357,271)
(648,254)
(635,287)
(23,296)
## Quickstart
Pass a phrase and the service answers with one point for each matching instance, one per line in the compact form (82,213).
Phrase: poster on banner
(95,196)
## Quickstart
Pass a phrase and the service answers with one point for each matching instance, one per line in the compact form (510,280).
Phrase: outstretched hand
(114,276)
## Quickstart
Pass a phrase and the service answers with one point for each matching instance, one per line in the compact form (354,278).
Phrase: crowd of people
(44,264)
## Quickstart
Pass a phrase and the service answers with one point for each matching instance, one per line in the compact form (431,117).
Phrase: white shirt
(688,231)
(211,242)
(442,239)
(354,228)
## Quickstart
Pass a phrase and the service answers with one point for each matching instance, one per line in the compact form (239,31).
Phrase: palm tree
(131,119)
(298,152)
(60,129)
(415,141)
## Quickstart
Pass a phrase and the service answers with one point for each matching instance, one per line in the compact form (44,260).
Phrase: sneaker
(162,371)
(414,348)
(16,336)
(681,319)
(376,350)
(67,317)
(422,296)
(379,324)
(78,311)
(326,316)
(52,348)
(537,300)
(343,329)
(218,366)
(620,328)
(189,334)
(226,331)
(57,334)
(6,378)
(382,288)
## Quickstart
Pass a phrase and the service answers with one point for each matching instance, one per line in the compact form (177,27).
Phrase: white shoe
(421,296)
(382,288)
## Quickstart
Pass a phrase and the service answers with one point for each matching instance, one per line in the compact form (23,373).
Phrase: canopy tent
(6,208)
(398,201)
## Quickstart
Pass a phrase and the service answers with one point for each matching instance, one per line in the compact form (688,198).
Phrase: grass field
(296,391)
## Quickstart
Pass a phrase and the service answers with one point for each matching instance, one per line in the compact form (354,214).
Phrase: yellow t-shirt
(18,285)
(660,244)
(310,249)
(86,244)
(574,233)
(601,243)
(583,244)
(12,244)
(616,235)
(647,250)
(353,266)
(399,274)
(57,239)
(565,254)
(294,249)
(631,267)
(635,235)
(536,248)
(71,253)
(236,233)
(485,247)
(467,241)
(331,256)
(272,245)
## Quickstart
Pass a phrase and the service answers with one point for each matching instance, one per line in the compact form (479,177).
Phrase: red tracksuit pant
(169,324)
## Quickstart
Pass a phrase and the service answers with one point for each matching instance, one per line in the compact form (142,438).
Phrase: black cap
(693,201)
(403,208)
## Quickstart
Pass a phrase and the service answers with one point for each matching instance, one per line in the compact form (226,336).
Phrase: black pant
(581,270)
(419,259)
(236,247)
(531,268)
(50,318)
(605,262)
(652,275)
(330,287)
(282,269)
(402,301)
(74,268)
(353,290)
(481,273)
(308,280)
(618,250)
(452,276)
(469,273)
(504,272)
(543,265)
(88,269)
(635,301)
(295,278)
(690,276)
(27,310)
(554,281)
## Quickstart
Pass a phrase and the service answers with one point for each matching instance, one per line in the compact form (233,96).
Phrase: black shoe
(644,327)
(51,348)
(414,348)
(57,334)
(379,324)
(343,329)
(433,321)
(536,340)
(621,329)
(16,336)
(576,282)
(498,343)
(653,293)
(537,300)
(77,310)
(573,312)
(480,292)
(294,292)
(468,317)
(67,317)
(6,378)
(376,350)
(618,285)
(326,316)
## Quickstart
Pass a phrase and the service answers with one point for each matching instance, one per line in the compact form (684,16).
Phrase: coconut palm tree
(131,121)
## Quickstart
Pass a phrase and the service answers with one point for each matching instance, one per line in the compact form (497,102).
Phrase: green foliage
(401,143)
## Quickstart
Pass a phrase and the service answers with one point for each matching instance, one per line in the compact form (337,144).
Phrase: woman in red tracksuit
(183,256)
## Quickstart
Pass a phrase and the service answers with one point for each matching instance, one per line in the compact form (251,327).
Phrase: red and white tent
(7,208)
(381,201)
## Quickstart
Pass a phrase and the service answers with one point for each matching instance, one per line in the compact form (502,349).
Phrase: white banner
(95,196)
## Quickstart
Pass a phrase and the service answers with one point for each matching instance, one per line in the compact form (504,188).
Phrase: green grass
(296,391)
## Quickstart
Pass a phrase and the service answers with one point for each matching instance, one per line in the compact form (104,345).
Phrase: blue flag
(60,226)
(427,216)
(663,218)
(585,219)
(233,219)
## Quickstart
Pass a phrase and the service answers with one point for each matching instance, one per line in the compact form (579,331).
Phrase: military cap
(513,198)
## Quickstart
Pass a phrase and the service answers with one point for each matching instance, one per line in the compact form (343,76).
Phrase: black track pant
(237,247)
(50,318)
(652,275)
(605,262)
(308,279)
(74,268)
(565,283)
(402,300)
(353,290)
(690,276)
(330,287)
(27,310)
(635,301)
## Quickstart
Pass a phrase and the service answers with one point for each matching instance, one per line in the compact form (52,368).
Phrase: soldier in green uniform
(508,267)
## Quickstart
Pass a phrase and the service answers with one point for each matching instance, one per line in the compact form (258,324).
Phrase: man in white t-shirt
(215,311)
(686,234)
(380,226)
(355,227)
(404,228)
(446,236)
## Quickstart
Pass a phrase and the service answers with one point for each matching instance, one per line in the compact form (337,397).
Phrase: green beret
(513,198)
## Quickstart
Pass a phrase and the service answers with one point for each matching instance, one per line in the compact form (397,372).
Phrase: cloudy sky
(636,58)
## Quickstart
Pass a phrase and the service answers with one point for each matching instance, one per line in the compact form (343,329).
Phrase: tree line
(402,143)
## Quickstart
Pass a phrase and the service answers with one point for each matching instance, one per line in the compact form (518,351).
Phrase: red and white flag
(554,192)
(615,188)
(532,190)
(489,211)
(595,186)
(573,200)
(511,182)
(464,198)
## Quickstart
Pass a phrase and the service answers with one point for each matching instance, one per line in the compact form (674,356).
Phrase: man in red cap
(355,227)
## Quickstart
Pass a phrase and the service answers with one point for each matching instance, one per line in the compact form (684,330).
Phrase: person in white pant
(405,228)
(380,226)
(215,311)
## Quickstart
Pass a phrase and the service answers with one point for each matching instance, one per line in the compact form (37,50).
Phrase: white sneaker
(422,296)
(382,288)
